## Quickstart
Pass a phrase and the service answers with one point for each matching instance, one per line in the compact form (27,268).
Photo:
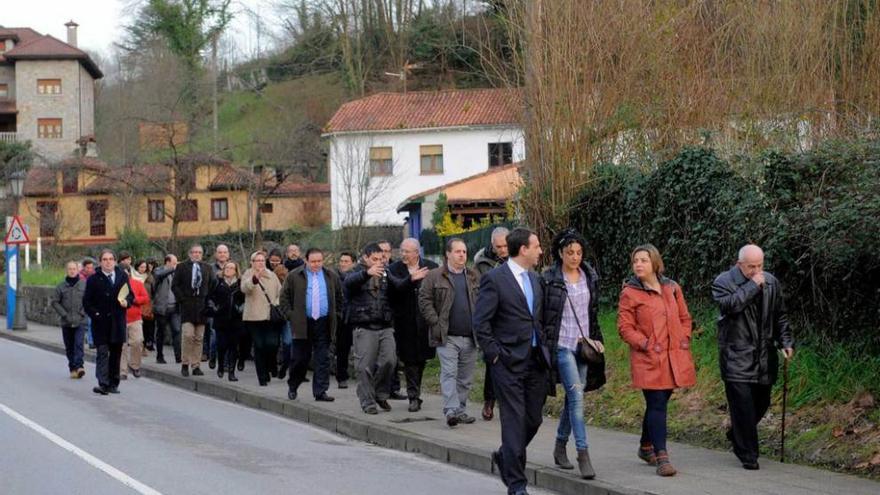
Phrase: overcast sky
(100,21)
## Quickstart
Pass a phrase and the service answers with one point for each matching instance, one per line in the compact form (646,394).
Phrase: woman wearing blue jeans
(571,308)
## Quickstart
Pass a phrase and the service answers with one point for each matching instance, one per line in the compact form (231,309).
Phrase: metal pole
(784,404)
(19,322)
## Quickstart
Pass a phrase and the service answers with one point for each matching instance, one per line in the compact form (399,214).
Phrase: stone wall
(37,304)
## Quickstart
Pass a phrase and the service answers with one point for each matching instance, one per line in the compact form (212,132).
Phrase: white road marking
(82,454)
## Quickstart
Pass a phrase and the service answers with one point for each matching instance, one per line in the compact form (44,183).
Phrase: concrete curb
(355,428)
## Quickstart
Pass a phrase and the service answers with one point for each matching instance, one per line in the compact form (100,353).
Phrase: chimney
(71,32)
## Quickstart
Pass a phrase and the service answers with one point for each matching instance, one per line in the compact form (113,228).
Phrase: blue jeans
(87,327)
(73,346)
(573,376)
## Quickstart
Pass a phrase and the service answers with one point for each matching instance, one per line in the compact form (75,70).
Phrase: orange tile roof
(40,181)
(428,109)
(232,177)
(497,184)
(47,47)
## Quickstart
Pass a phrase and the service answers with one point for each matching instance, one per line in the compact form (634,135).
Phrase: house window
(500,154)
(4,90)
(48,211)
(432,159)
(49,128)
(380,161)
(97,217)
(189,210)
(156,210)
(266,208)
(219,209)
(69,183)
(48,86)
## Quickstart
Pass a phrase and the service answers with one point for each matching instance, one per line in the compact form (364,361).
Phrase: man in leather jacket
(753,321)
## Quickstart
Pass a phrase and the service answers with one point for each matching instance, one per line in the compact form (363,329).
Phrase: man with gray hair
(410,331)
(486,259)
(193,281)
(753,316)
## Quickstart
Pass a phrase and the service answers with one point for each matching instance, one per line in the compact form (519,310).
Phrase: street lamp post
(16,184)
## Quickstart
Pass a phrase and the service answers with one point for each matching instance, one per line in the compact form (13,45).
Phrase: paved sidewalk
(701,471)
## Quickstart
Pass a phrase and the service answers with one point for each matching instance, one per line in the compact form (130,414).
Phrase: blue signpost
(11,282)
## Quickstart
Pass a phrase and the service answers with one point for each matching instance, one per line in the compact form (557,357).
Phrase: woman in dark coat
(571,320)
(227,304)
(410,330)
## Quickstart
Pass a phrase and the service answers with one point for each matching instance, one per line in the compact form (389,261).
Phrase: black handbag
(585,351)
(275,313)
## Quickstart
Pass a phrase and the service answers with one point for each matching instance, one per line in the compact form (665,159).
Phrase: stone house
(47,92)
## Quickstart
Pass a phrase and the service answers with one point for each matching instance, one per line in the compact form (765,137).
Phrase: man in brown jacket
(446,300)
(312,300)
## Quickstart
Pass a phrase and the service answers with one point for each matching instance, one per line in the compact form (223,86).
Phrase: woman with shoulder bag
(228,301)
(653,319)
(571,310)
(261,290)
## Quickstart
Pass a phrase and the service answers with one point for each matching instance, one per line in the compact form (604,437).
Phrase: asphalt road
(56,436)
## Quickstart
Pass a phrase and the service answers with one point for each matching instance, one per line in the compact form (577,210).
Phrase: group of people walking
(534,331)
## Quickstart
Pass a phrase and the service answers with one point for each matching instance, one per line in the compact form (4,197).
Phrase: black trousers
(228,337)
(747,404)
(168,326)
(343,351)
(107,365)
(149,331)
(414,372)
(266,336)
(521,397)
(654,421)
(318,342)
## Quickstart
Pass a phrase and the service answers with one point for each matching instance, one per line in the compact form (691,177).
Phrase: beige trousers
(133,348)
(191,352)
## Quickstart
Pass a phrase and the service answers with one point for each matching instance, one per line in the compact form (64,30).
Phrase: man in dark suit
(312,300)
(193,281)
(507,326)
(101,301)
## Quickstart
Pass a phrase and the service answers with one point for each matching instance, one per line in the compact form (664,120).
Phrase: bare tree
(364,182)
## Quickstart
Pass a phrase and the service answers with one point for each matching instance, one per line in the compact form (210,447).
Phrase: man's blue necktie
(530,300)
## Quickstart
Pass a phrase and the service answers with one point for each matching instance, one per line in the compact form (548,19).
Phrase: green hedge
(816,214)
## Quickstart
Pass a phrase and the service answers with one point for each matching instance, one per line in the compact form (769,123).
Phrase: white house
(386,147)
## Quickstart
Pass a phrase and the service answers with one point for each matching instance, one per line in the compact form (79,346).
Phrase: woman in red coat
(653,319)
(133,348)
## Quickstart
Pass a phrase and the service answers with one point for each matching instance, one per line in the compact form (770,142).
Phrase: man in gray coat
(753,320)
(165,308)
(67,303)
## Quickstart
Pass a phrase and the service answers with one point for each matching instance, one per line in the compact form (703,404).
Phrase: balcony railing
(8,137)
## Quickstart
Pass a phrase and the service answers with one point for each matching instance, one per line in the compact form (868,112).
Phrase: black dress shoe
(100,390)
(384,405)
(397,396)
(184,370)
(291,394)
(415,405)
(325,398)
(264,383)
(343,384)
(241,365)
(452,421)
(212,363)
(751,466)
(160,360)
(465,419)
(371,409)
(197,372)
(232,377)
(113,390)
(282,372)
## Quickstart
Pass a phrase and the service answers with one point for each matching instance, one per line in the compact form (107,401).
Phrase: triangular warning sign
(17,234)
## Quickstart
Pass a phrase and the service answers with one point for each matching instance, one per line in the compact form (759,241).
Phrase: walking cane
(784,403)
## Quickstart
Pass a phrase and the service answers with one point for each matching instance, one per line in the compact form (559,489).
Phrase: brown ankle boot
(585,465)
(560,456)
(664,467)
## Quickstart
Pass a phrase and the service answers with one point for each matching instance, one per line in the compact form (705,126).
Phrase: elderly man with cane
(753,319)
